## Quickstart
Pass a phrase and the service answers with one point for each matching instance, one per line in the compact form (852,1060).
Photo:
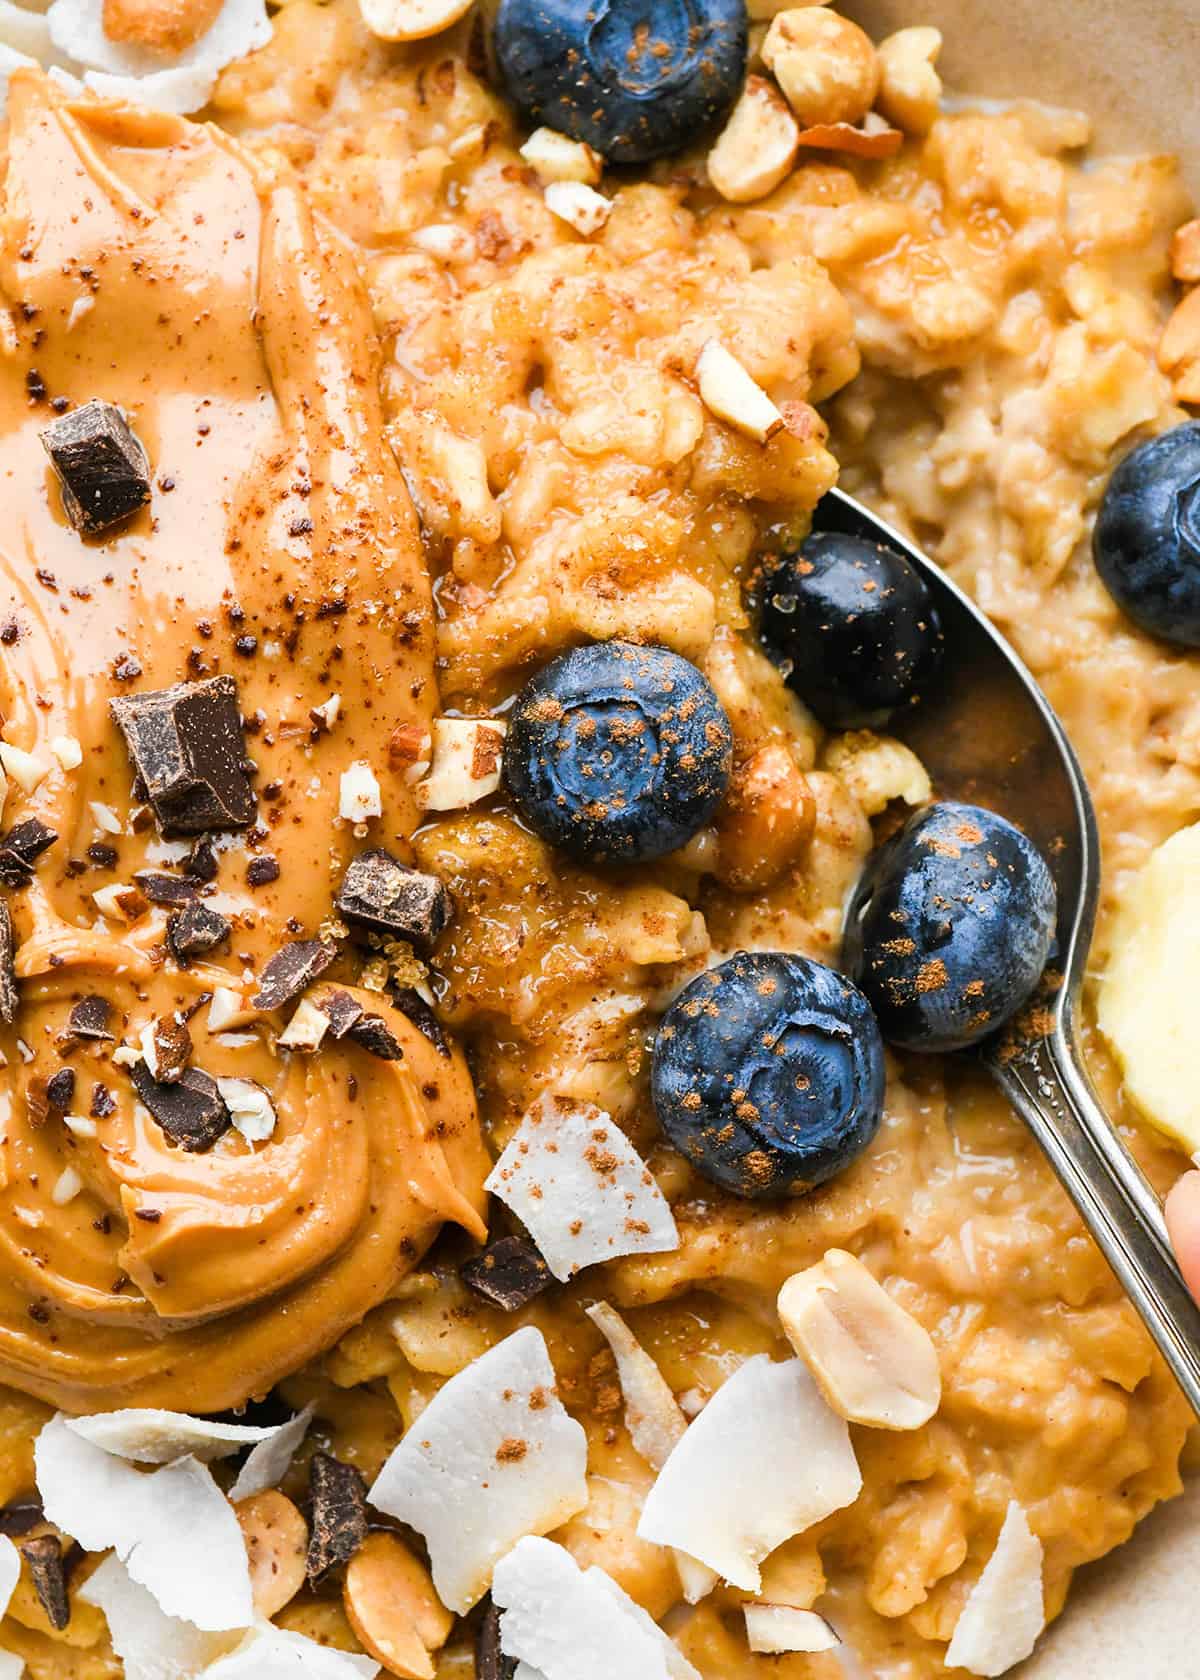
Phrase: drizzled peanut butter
(150,262)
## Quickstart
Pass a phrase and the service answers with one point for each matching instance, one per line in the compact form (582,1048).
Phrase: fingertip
(1183,1222)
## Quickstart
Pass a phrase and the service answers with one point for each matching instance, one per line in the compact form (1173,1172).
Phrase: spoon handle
(1111,1194)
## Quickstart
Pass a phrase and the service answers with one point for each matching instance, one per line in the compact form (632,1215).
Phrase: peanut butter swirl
(152,263)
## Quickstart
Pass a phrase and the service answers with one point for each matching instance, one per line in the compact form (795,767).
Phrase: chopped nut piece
(120,902)
(306,1028)
(466,763)
(825,65)
(250,1108)
(556,157)
(774,1628)
(757,147)
(66,1187)
(166,1048)
(877,769)
(581,206)
(166,26)
(393,1608)
(67,750)
(228,1009)
(909,86)
(1179,349)
(27,769)
(411,20)
(767,819)
(276,1537)
(339,1515)
(327,713)
(729,392)
(1185,252)
(359,797)
(872,1361)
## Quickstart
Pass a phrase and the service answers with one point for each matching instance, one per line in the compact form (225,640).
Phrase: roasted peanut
(757,147)
(393,1608)
(276,1537)
(909,86)
(825,65)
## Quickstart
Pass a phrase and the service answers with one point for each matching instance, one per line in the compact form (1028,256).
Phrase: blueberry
(617,753)
(768,1074)
(854,628)
(950,928)
(634,78)
(1147,540)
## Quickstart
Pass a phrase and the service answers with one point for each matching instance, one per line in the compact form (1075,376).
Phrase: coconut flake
(492,1458)
(765,1460)
(774,1628)
(181,83)
(573,1624)
(267,1464)
(173,1528)
(580,1188)
(150,1436)
(652,1415)
(150,1644)
(1005,1612)
(12,1667)
(250,1107)
(271,1653)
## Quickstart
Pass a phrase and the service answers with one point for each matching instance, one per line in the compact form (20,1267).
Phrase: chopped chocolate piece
(290,970)
(165,889)
(90,1017)
(172,1049)
(60,1089)
(508,1274)
(190,1112)
(20,849)
(262,871)
(8,972)
(343,1011)
(187,750)
(381,893)
(102,855)
(101,466)
(37,1102)
(371,1033)
(411,1004)
(194,930)
(103,1102)
(490,1661)
(339,1514)
(44,1556)
(201,861)
(20,1515)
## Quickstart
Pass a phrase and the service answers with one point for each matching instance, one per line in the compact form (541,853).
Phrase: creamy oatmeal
(363,290)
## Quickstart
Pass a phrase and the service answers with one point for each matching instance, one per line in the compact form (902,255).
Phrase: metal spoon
(989,736)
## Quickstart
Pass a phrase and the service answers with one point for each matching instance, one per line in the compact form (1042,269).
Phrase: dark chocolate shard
(201,861)
(261,871)
(194,930)
(291,970)
(103,1102)
(339,1514)
(47,1570)
(189,755)
(101,466)
(508,1274)
(90,1018)
(372,1033)
(20,849)
(190,1112)
(9,1000)
(20,1515)
(60,1090)
(343,1012)
(172,1049)
(411,1004)
(490,1661)
(381,893)
(165,889)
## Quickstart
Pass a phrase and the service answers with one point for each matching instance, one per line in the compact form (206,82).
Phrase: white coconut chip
(24,30)
(774,1628)
(173,1528)
(12,1667)
(656,1424)
(179,83)
(150,1644)
(1005,1612)
(271,1653)
(571,1624)
(150,1436)
(765,1460)
(580,1187)
(267,1464)
(10,1571)
(493,1457)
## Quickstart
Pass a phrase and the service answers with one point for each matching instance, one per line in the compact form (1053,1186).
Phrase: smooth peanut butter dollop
(151,263)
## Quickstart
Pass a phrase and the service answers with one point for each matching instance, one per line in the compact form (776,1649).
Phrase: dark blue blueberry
(634,78)
(853,627)
(617,753)
(768,1074)
(950,928)
(1147,540)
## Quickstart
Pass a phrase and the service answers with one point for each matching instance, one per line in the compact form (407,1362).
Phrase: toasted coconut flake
(173,1528)
(728,391)
(181,82)
(870,141)
(1005,1613)
(575,1624)
(150,1644)
(580,1188)
(652,1415)
(150,1436)
(774,1628)
(765,1460)
(267,1464)
(493,1457)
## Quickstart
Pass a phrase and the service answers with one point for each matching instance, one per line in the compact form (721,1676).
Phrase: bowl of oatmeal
(464,1211)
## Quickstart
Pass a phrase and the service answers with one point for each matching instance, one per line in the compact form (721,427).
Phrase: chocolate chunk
(102,468)
(490,1661)
(411,1004)
(381,893)
(8,973)
(339,1514)
(20,1515)
(172,1049)
(90,1017)
(102,855)
(47,1571)
(194,930)
(261,871)
(20,849)
(190,1112)
(165,889)
(201,861)
(37,1102)
(343,1011)
(508,1274)
(103,1102)
(291,970)
(189,756)
(60,1089)
(371,1033)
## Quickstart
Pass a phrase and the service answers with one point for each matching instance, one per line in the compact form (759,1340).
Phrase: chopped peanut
(556,157)
(166,26)
(909,86)
(767,819)
(728,391)
(757,147)
(1185,252)
(825,65)
(393,1608)
(276,1537)
(411,20)
(1179,349)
